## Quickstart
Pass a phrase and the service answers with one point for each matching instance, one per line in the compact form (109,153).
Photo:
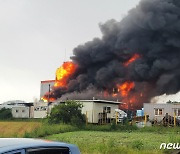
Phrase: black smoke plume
(152,30)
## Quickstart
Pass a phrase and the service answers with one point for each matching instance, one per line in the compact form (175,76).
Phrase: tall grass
(110,127)
(46,130)
(17,129)
(111,142)
(22,120)
(160,129)
(50,129)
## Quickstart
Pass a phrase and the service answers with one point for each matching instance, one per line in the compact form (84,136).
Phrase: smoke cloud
(152,30)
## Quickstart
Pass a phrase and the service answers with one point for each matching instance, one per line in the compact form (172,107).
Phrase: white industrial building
(12,103)
(40,110)
(158,111)
(45,87)
(99,111)
(19,108)
(22,112)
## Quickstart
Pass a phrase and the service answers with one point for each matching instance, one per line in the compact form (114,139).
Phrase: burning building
(46,86)
(136,59)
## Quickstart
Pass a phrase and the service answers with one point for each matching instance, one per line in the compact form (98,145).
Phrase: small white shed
(99,111)
(21,112)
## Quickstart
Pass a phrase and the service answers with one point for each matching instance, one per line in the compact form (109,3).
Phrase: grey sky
(34,35)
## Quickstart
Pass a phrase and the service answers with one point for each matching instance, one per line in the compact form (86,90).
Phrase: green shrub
(68,113)
(79,122)
(5,114)
(110,127)
(97,127)
(113,125)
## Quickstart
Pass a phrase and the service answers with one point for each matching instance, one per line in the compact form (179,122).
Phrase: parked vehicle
(120,115)
(35,146)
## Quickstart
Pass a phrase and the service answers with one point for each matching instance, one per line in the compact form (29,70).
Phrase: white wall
(87,109)
(45,87)
(20,112)
(40,111)
(98,107)
(93,109)
(167,108)
(40,114)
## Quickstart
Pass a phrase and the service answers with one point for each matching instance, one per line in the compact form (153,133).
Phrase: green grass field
(105,139)
(117,142)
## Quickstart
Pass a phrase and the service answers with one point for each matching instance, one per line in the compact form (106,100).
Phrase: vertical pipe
(174,119)
(145,119)
(86,118)
(92,116)
(49,92)
(48,101)
(116,117)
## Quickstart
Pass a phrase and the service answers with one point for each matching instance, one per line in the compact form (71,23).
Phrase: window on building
(16,111)
(158,112)
(36,109)
(107,109)
(177,112)
(23,111)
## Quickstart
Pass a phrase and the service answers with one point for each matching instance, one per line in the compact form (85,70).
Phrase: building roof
(101,101)
(162,104)
(47,81)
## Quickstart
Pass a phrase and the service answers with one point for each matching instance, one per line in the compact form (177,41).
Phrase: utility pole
(174,119)
(49,92)
(116,117)
(48,100)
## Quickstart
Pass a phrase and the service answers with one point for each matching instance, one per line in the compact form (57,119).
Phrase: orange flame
(125,88)
(63,73)
(46,99)
(132,59)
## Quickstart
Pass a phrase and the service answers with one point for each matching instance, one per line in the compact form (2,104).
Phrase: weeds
(46,130)
(137,144)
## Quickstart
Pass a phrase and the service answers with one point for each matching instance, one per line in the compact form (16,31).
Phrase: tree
(5,114)
(68,112)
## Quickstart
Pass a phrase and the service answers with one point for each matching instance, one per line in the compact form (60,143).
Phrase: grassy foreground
(17,129)
(134,142)
(90,139)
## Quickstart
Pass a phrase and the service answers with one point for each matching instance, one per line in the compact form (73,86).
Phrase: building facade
(99,111)
(158,111)
(40,110)
(22,112)
(45,87)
